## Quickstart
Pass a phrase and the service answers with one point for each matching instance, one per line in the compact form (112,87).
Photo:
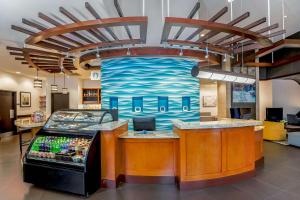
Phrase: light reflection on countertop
(221,123)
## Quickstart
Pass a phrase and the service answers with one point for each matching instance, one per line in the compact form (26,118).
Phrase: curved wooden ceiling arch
(91,24)
(98,34)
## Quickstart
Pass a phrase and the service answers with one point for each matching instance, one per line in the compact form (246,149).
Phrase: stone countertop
(150,135)
(222,123)
(29,124)
(109,126)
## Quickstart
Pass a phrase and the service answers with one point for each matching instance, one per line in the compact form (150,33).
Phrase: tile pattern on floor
(278,179)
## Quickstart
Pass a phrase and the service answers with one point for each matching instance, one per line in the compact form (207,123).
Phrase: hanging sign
(95,75)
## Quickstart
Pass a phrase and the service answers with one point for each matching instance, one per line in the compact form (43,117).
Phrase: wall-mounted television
(274,114)
(243,93)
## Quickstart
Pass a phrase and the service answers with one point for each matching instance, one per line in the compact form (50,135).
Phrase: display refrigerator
(65,154)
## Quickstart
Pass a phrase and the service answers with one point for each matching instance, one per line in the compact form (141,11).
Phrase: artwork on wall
(209,101)
(147,86)
(25,99)
(243,93)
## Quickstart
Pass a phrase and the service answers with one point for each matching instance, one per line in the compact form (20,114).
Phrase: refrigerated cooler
(65,153)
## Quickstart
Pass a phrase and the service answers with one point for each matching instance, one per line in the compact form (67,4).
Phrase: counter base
(187,185)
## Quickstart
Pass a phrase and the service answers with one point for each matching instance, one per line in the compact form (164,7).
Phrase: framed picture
(209,101)
(25,99)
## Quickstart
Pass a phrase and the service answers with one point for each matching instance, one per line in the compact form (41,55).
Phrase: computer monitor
(144,124)
(235,113)
(274,114)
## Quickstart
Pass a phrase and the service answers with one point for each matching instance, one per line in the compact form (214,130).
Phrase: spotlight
(225,58)
(128,52)
(181,52)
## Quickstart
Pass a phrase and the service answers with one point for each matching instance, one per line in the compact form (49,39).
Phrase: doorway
(8,113)
(59,101)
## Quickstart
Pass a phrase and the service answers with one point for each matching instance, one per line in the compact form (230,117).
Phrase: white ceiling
(12,12)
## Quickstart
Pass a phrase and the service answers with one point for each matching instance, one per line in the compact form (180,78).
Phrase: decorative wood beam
(105,44)
(200,45)
(248,27)
(42,28)
(16,54)
(190,16)
(120,13)
(95,32)
(258,64)
(90,8)
(232,23)
(214,26)
(150,51)
(68,28)
(274,26)
(214,18)
(286,43)
(55,23)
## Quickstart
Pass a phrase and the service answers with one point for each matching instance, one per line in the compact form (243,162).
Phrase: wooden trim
(105,44)
(151,51)
(186,185)
(149,179)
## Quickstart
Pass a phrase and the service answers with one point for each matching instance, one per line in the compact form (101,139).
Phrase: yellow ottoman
(274,131)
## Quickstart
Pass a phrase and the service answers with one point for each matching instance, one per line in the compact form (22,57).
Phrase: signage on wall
(95,75)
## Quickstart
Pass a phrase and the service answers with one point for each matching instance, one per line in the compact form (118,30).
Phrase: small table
(26,125)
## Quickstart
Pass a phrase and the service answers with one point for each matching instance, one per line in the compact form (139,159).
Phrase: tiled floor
(278,180)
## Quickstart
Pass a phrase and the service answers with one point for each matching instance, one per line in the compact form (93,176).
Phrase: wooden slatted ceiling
(263,30)
(91,24)
(95,32)
(190,16)
(44,60)
(248,27)
(212,19)
(90,8)
(232,23)
(214,26)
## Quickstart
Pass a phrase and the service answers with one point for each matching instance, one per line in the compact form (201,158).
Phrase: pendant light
(64,89)
(37,83)
(54,87)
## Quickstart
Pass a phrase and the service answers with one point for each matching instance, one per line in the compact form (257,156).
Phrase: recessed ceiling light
(202,35)
(230,1)
(18,72)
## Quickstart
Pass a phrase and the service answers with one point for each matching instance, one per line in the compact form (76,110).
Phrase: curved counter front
(194,155)
(215,152)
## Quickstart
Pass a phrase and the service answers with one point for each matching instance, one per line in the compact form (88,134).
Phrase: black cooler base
(64,179)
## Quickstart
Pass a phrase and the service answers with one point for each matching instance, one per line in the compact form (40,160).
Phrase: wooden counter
(215,156)
(195,158)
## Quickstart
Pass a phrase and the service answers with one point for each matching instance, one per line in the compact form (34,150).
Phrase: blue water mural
(147,86)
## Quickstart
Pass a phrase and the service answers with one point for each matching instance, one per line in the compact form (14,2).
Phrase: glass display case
(67,149)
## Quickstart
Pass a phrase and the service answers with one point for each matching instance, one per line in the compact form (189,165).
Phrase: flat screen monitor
(274,114)
(235,113)
(144,123)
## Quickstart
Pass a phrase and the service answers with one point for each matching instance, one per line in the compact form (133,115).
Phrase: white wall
(208,90)
(91,84)
(265,98)
(286,94)
(74,85)
(19,83)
